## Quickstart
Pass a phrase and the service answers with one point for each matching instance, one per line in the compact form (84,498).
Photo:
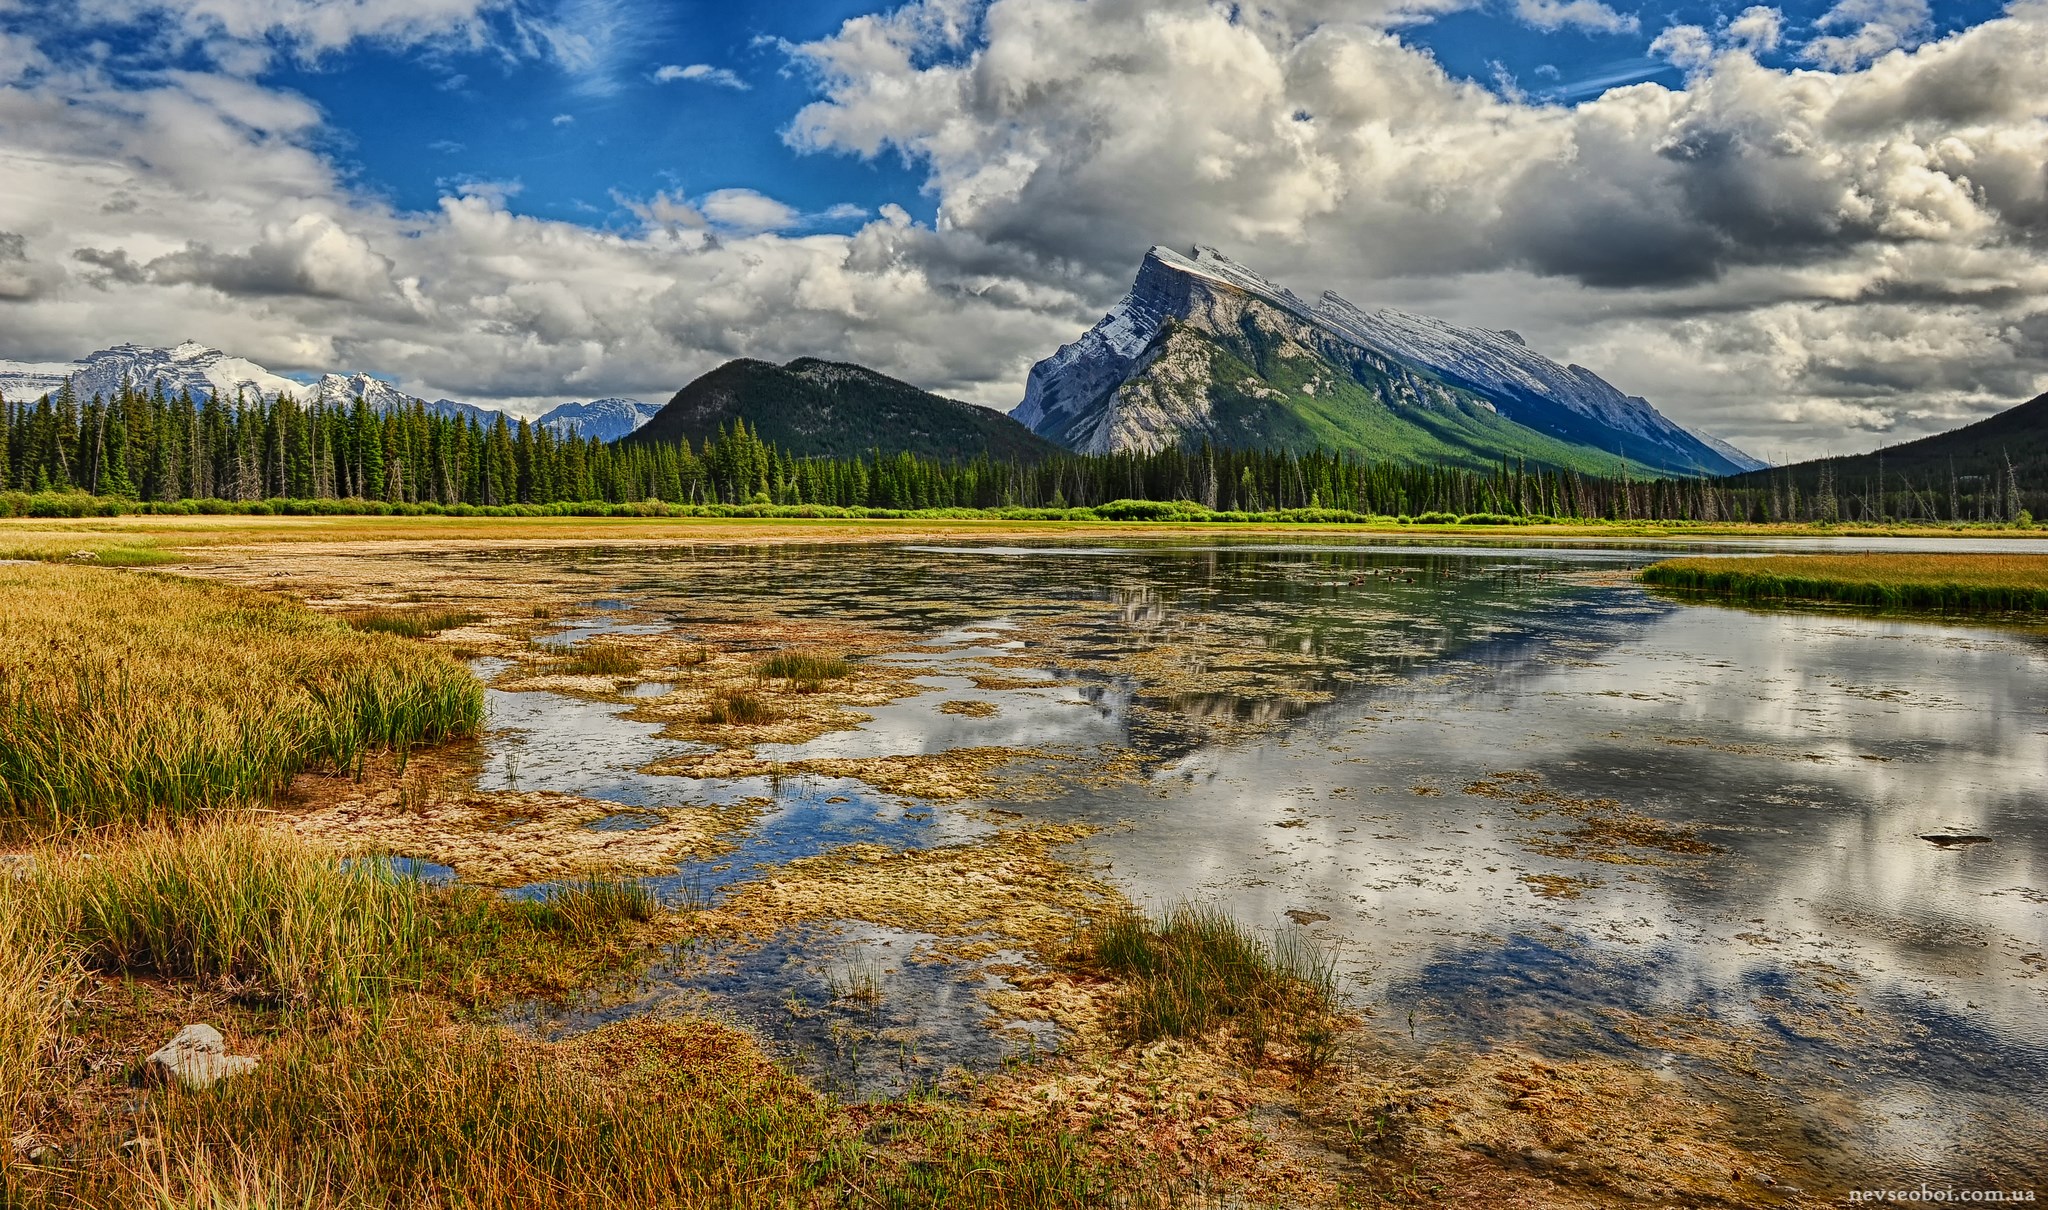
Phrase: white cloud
(562,119)
(1688,47)
(239,33)
(1870,29)
(748,211)
(1798,260)
(1590,15)
(702,73)
(1757,30)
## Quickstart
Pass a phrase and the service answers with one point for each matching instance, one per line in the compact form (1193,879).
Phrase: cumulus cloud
(702,73)
(1590,15)
(1796,260)
(1757,30)
(1869,29)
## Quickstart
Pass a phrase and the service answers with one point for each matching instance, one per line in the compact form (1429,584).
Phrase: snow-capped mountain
(604,419)
(1527,386)
(1203,348)
(189,366)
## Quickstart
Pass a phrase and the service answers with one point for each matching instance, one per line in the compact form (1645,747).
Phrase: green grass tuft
(738,706)
(1198,969)
(596,658)
(1955,583)
(412,623)
(590,904)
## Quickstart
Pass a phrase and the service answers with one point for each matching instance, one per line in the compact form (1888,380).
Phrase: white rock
(197,1058)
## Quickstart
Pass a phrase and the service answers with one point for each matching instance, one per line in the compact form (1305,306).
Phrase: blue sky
(1807,226)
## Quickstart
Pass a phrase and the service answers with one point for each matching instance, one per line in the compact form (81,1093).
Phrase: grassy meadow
(129,698)
(1950,583)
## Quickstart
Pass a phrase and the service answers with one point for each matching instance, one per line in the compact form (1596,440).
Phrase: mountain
(1203,348)
(1978,456)
(189,366)
(812,407)
(604,419)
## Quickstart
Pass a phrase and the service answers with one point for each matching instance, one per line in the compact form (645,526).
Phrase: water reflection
(1315,715)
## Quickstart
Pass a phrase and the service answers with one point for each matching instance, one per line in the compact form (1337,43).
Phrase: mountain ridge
(1406,363)
(811,406)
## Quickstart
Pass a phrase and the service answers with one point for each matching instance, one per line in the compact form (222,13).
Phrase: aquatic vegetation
(591,903)
(805,666)
(1197,969)
(418,623)
(596,658)
(236,907)
(516,838)
(737,706)
(137,698)
(1963,583)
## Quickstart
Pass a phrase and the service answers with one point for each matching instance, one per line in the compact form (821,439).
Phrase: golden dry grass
(129,697)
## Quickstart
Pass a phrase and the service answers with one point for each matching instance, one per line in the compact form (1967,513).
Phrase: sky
(1814,227)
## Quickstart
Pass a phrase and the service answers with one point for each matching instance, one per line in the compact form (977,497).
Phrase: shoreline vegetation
(155,730)
(1945,583)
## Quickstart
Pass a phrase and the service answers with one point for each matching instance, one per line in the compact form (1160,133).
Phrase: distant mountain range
(1202,348)
(811,407)
(208,372)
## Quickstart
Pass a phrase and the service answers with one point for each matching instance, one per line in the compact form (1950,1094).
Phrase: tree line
(153,448)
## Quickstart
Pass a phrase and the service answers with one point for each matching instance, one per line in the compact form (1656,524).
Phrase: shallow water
(1324,712)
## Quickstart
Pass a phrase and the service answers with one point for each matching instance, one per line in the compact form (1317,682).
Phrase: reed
(132,698)
(420,623)
(38,978)
(591,904)
(1954,583)
(258,914)
(1197,969)
(807,671)
(596,658)
(737,706)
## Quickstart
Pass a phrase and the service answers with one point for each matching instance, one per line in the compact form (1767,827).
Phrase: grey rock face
(197,1057)
(1098,394)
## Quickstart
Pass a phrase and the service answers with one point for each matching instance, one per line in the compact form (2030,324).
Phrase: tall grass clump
(1960,583)
(807,671)
(261,915)
(1197,969)
(737,706)
(597,658)
(421,623)
(589,905)
(36,979)
(130,698)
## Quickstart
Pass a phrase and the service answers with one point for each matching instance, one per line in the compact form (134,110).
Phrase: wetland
(1578,892)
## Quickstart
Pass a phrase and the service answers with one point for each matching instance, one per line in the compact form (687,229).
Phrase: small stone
(197,1058)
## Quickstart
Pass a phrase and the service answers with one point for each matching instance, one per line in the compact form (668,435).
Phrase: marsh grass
(420,623)
(129,698)
(38,977)
(737,706)
(1963,583)
(1197,969)
(254,913)
(805,671)
(644,1113)
(590,904)
(595,658)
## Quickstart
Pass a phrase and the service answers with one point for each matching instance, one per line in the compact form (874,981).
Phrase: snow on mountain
(1501,366)
(604,419)
(1071,395)
(189,366)
(1080,374)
